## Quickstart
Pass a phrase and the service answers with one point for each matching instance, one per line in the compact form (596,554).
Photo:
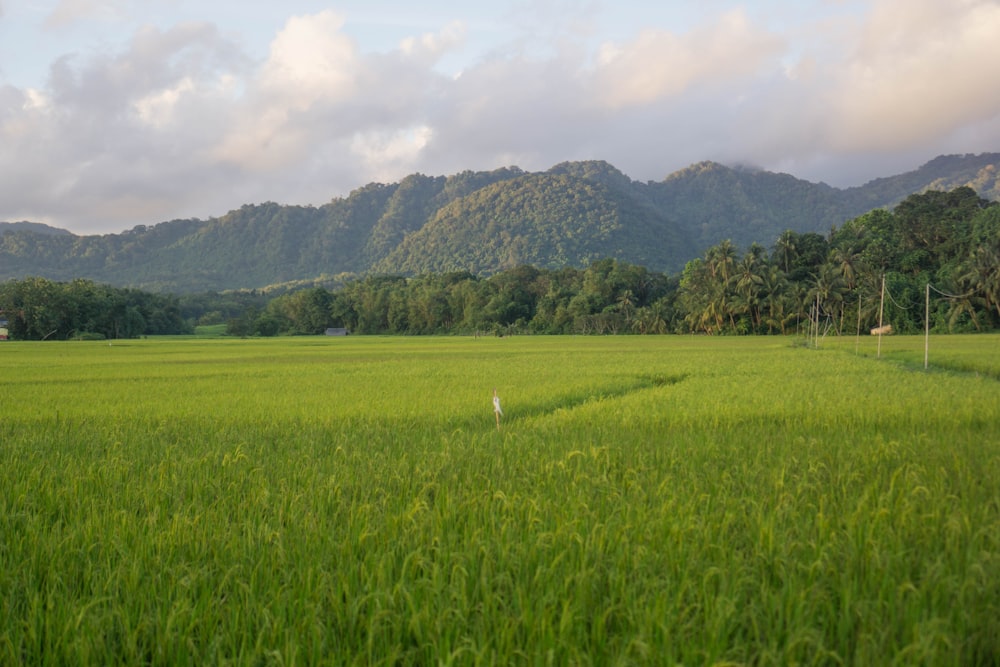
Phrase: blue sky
(115,113)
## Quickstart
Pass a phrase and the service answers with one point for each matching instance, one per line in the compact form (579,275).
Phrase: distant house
(3,328)
(333,331)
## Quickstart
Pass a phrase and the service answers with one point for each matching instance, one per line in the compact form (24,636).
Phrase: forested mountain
(880,267)
(480,222)
(572,215)
(35,227)
(746,206)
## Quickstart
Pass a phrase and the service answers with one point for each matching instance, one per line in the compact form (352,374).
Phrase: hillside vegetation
(480,222)
(877,268)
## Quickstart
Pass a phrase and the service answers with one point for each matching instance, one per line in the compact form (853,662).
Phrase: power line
(951,296)
(898,305)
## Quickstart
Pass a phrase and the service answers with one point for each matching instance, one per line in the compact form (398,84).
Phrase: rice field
(646,500)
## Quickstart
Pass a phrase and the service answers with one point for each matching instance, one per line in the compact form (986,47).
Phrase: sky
(117,113)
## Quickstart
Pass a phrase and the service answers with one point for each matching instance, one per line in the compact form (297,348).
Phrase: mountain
(746,205)
(482,222)
(574,214)
(36,227)
(945,172)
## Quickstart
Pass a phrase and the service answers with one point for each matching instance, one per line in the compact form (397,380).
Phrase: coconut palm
(981,274)
(749,280)
(774,289)
(785,249)
(828,290)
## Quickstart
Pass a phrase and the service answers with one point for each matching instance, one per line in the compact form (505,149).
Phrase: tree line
(874,268)
(40,309)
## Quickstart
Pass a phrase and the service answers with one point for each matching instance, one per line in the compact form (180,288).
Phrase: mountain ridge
(481,222)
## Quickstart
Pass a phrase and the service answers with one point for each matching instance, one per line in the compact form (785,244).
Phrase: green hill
(569,216)
(482,222)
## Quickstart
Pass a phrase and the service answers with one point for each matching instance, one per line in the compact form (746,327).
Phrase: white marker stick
(496,407)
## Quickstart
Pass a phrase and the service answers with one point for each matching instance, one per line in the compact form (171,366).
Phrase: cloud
(311,59)
(660,63)
(116,139)
(181,121)
(389,153)
(844,98)
(430,46)
(317,94)
(921,69)
(310,62)
(158,109)
(69,12)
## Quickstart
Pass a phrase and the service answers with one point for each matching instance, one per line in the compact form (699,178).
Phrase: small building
(4,334)
(335,331)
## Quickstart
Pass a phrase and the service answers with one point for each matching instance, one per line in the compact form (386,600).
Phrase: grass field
(648,500)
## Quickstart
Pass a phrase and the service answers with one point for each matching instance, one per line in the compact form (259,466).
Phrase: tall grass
(646,501)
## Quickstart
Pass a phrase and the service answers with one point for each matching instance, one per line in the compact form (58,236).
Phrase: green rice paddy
(647,500)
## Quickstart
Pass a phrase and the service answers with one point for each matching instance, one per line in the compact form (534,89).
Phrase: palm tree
(828,291)
(963,304)
(774,287)
(721,259)
(868,293)
(798,303)
(748,283)
(659,317)
(848,263)
(625,305)
(785,250)
(981,273)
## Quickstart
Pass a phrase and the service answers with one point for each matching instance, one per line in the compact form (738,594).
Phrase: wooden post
(881,305)
(857,342)
(927,325)
(816,339)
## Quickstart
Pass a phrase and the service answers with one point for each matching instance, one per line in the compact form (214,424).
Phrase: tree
(774,286)
(828,290)
(308,311)
(625,305)
(749,282)
(785,250)
(930,225)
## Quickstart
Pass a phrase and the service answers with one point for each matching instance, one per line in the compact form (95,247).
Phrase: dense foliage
(948,240)
(938,255)
(37,309)
(879,267)
(480,222)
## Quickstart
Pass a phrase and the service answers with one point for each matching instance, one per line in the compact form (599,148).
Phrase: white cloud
(317,93)
(311,59)
(36,100)
(157,109)
(69,12)
(659,63)
(922,69)
(385,154)
(114,140)
(310,64)
(431,45)
(179,120)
